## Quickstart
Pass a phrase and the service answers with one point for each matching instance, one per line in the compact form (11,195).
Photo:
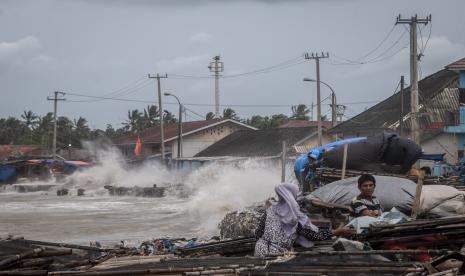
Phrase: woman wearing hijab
(283,223)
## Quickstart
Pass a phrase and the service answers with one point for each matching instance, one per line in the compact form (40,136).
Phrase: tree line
(32,129)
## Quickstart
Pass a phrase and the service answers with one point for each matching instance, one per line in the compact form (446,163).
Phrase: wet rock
(62,192)
(242,223)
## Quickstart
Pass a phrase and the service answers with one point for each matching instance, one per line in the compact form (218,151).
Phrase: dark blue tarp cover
(433,156)
(7,173)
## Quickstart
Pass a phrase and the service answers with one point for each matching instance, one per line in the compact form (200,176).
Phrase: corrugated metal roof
(252,143)
(458,65)
(304,123)
(438,98)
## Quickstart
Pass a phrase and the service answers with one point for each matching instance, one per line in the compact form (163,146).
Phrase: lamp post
(179,123)
(333,102)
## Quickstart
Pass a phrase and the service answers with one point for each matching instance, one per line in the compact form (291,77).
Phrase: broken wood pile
(27,257)
(339,263)
(328,175)
(234,247)
(448,232)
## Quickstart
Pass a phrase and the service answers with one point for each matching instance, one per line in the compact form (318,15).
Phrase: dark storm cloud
(97,47)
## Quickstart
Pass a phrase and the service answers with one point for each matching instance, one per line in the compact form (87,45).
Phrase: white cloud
(180,63)
(24,46)
(201,38)
(23,55)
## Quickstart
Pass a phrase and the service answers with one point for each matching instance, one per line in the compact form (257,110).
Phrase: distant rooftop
(257,143)
(152,134)
(439,99)
(457,66)
(304,123)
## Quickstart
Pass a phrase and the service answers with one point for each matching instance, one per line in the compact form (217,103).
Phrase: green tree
(229,113)
(277,120)
(300,112)
(169,117)
(110,132)
(65,134)
(13,131)
(43,134)
(80,132)
(259,121)
(30,120)
(134,121)
(209,116)
(151,116)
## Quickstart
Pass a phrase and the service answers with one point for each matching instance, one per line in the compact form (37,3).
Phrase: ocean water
(194,204)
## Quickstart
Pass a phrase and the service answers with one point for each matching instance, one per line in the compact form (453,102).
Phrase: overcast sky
(97,47)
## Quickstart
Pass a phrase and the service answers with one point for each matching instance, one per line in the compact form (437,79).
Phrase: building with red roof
(196,136)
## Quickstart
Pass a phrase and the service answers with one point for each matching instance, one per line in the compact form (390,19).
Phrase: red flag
(138,148)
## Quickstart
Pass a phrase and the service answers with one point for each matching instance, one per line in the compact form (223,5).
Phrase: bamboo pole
(8,261)
(416,203)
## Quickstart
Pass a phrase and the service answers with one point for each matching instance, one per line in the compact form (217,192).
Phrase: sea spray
(111,169)
(209,192)
(219,188)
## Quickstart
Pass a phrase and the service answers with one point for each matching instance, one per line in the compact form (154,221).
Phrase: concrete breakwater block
(136,191)
(62,192)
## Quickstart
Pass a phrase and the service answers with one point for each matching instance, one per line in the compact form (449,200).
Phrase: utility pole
(401,119)
(317,57)
(55,101)
(311,111)
(340,110)
(415,133)
(217,67)
(333,110)
(160,110)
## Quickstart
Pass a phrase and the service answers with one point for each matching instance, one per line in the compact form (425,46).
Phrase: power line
(276,67)
(120,92)
(205,104)
(195,113)
(376,59)
(379,45)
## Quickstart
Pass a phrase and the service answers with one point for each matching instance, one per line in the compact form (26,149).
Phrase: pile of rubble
(242,223)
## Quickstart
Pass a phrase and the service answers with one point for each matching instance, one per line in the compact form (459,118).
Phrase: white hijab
(288,211)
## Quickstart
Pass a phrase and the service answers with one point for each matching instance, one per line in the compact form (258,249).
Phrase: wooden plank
(416,203)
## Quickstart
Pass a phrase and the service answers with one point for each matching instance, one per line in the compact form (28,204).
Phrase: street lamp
(179,123)
(333,101)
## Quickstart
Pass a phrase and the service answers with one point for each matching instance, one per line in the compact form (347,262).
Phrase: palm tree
(30,120)
(300,112)
(133,123)
(168,117)
(81,130)
(209,116)
(45,125)
(151,116)
(229,113)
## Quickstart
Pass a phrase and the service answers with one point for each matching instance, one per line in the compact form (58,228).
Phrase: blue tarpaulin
(433,156)
(7,173)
